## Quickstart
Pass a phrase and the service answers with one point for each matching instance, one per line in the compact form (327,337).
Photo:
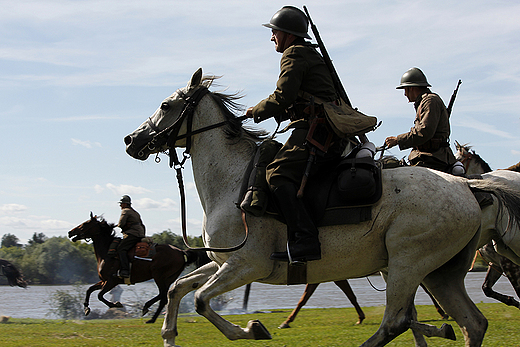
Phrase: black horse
(164,267)
(14,277)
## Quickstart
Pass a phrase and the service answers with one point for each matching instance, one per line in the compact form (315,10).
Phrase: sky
(77,76)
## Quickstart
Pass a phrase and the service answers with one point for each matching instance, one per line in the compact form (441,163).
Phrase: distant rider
(133,230)
(429,136)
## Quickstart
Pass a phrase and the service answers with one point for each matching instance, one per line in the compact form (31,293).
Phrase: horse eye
(165,106)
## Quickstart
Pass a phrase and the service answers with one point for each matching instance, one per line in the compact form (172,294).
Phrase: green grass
(313,327)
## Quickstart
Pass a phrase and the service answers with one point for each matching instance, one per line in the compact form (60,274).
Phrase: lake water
(33,302)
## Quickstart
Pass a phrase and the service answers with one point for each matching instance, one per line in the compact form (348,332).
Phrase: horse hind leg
(347,289)
(493,275)
(181,287)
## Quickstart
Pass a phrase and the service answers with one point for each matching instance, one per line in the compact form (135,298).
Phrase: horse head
(90,228)
(152,135)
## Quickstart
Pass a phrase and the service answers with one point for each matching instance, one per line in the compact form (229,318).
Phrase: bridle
(169,136)
(466,158)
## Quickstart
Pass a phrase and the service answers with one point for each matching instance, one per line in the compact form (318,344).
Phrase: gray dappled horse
(425,228)
(498,264)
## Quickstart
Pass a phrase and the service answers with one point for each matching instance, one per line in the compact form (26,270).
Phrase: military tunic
(132,227)
(302,68)
(429,136)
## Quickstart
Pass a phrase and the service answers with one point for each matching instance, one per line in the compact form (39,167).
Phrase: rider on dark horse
(133,230)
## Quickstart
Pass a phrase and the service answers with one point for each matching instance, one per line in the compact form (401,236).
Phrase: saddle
(143,249)
(341,194)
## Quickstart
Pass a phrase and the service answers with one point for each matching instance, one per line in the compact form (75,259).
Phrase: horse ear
(195,79)
(91,215)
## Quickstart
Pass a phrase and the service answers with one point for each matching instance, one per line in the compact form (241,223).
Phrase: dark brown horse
(498,265)
(14,277)
(164,267)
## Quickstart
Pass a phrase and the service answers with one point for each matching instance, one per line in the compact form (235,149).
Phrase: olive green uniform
(132,227)
(429,136)
(301,69)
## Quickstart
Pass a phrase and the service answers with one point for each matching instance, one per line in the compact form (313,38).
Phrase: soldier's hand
(391,141)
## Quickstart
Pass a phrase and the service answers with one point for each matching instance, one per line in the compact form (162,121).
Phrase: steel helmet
(414,77)
(291,20)
(125,199)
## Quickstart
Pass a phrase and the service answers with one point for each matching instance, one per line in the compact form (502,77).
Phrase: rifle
(453,96)
(335,78)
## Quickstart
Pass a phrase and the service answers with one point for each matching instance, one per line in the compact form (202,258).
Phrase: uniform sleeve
(293,66)
(426,121)
(122,220)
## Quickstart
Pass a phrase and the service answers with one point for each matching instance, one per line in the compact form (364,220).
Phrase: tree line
(57,260)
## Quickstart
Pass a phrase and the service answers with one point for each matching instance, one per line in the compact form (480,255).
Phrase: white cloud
(10,208)
(147,203)
(125,189)
(86,144)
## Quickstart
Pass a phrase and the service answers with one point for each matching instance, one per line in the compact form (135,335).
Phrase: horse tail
(14,277)
(196,257)
(508,200)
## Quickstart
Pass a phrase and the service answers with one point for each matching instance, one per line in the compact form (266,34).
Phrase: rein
(171,135)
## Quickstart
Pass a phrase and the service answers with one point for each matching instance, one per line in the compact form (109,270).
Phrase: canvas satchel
(344,120)
(347,121)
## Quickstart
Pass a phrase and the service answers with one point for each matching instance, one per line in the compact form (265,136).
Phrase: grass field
(313,327)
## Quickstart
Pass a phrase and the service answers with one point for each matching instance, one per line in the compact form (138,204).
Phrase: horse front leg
(181,287)
(108,285)
(307,293)
(229,277)
(90,290)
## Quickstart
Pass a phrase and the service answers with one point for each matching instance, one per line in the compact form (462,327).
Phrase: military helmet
(291,20)
(414,77)
(125,199)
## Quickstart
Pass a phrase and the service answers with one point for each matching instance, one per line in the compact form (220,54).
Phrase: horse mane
(478,159)
(106,226)
(229,106)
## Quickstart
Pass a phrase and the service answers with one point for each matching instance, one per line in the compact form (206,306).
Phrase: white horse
(424,229)
(497,223)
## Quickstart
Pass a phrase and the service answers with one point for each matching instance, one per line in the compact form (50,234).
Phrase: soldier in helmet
(428,138)
(133,231)
(303,75)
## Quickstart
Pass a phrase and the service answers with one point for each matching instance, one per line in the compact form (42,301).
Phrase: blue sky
(77,76)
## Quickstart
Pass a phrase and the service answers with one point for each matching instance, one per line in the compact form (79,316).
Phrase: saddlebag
(357,178)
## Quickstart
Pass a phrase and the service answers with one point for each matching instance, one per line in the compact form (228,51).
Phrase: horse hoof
(284,326)
(150,321)
(118,304)
(259,331)
(360,321)
(87,311)
(449,333)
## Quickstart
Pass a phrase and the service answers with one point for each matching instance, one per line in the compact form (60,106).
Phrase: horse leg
(163,285)
(182,286)
(347,289)
(307,293)
(227,278)
(105,289)
(91,289)
(435,303)
(493,275)
(447,286)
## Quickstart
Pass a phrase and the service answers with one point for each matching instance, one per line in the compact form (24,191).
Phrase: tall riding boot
(302,235)
(124,269)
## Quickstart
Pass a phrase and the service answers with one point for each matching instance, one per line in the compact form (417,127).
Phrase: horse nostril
(128,140)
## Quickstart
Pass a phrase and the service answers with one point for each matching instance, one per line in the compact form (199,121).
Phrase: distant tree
(37,239)
(10,240)
(170,238)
